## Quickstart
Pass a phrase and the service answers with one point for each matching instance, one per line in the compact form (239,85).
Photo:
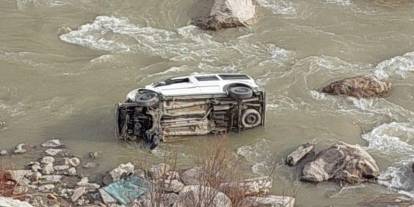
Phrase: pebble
(36,167)
(72,171)
(90,165)
(74,162)
(20,149)
(53,143)
(46,179)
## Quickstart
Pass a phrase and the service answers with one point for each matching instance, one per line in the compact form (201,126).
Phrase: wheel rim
(241,89)
(251,119)
(147,96)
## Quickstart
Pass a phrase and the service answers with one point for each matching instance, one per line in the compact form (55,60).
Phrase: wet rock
(293,158)
(249,187)
(47,160)
(106,197)
(89,165)
(20,149)
(53,143)
(77,193)
(94,155)
(192,195)
(227,14)
(36,176)
(61,167)
(46,188)
(48,169)
(268,201)
(54,152)
(359,87)
(122,170)
(3,152)
(158,171)
(74,161)
(83,181)
(344,162)
(10,202)
(192,176)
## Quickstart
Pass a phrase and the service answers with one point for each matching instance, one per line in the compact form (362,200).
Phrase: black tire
(147,99)
(240,92)
(251,118)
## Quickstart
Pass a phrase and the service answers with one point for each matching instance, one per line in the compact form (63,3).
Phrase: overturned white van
(191,105)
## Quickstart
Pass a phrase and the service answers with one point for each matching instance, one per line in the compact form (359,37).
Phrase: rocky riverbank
(55,177)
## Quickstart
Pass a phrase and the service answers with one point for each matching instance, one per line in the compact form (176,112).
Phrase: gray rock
(268,201)
(359,87)
(174,186)
(77,193)
(3,152)
(74,161)
(48,169)
(36,176)
(197,195)
(47,160)
(89,165)
(344,162)
(61,167)
(46,188)
(53,143)
(228,13)
(192,176)
(158,171)
(122,170)
(83,181)
(10,202)
(20,149)
(106,198)
(21,176)
(293,158)
(94,155)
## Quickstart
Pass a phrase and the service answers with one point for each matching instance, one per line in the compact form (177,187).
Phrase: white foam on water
(188,43)
(258,155)
(398,66)
(282,7)
(339,2)
(395,141)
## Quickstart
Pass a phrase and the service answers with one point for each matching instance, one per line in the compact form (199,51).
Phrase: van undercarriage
(172,118)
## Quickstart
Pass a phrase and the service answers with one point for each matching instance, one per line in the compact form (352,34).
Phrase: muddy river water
(65,63)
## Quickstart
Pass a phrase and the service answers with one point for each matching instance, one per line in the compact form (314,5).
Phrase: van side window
(207,78)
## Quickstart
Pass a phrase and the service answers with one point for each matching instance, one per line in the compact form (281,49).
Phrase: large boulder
(344,162)
(227,14)
(359,87)
(202,196)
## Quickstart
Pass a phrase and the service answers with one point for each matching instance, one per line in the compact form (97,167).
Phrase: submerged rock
(227,14)
(197,195)
(3,152)
(359,87)
(344,162)
(293,158)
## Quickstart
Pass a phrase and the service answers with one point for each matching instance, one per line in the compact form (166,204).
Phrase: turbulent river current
(65,63)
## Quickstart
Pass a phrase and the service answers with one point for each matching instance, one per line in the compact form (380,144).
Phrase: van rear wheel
(240,92)
(251,118)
